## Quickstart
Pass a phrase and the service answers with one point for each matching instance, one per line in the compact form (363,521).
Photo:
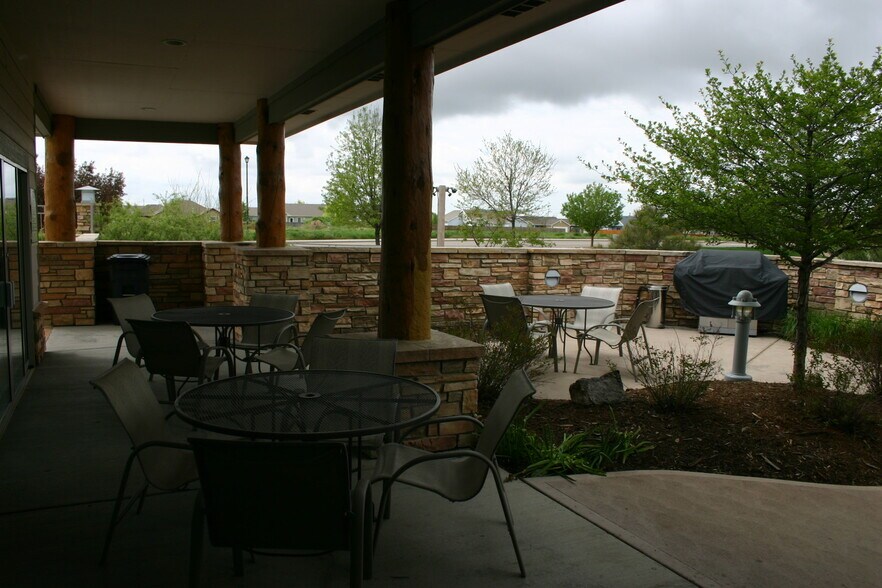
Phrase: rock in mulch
(605,389)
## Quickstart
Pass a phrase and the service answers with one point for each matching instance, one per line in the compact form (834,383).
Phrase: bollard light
(858,293)
(744,306)
(552,278)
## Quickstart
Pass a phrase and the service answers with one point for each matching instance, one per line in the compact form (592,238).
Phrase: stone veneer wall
(67,283)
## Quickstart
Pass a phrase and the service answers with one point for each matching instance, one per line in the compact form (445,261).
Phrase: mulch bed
(744,428)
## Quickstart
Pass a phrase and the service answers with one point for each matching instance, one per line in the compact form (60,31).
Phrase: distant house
(458,218)
(296,214)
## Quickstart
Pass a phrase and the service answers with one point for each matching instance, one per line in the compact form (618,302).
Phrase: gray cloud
(648,48)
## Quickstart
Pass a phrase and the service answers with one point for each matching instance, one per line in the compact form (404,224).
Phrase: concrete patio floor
(63,453)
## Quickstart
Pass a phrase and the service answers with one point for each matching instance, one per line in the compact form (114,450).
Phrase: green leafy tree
(510,180)
(178,221)
(593,208)
(649,229)
(111,185)
(791,164)
(354,193)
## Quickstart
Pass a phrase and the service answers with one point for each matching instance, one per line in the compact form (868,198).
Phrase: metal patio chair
(585,319)
(172,349)
(255,339)
(291,496)
(618,334)
(165,460)
(506,289)
(457,475)
(131,307)
(290,356)
(506,317)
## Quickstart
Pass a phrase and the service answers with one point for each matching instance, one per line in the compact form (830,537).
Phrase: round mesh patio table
(307,405)
(559,305)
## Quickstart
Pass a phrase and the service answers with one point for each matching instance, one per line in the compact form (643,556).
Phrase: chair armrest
(286,335)
(206,351)
(435,457)
(446,419)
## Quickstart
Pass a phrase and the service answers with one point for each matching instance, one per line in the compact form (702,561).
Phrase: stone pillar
(229,183)
(270,179)
(405,261)
(60,220)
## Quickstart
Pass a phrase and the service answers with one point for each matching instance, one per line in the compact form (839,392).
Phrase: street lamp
(744,306)
(247,204)
(552,278)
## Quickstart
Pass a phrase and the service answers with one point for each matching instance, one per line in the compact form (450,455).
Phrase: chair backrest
(132,307)
(641,314)
(584,319)
(129,393)
(169,348)
(322,326)
(505,315)
(360,355)
(501,289)
(516,390)
(275,495)
(268,333)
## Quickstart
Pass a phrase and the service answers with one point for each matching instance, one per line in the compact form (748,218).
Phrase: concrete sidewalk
(769,359)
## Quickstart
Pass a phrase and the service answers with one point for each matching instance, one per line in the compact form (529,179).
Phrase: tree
(354,193)
(510,180)
(791,164)
(593,208)
(111,185)
(649,229)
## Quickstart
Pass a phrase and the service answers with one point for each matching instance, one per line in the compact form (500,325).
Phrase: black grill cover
(708,279)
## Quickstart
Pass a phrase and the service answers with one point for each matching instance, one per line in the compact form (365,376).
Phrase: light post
(442,191)
(88,195)
(247,204)
(743,307)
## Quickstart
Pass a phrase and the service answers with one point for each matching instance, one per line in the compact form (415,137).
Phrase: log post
(270,179)
(405,259)
(229,183)
(60,220)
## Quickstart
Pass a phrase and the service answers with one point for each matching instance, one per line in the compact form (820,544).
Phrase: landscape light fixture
(744,307)
(552,278)
(858,293)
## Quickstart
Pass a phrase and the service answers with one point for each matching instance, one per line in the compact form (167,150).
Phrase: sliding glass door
(12,357)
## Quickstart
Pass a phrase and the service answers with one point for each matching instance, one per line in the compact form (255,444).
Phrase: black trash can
(129,274)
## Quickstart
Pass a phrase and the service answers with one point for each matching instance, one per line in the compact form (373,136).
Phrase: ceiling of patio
(111,64)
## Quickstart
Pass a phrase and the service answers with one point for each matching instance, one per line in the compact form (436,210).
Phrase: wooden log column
(60,221)
(270,179)
(229,183)
(405,259)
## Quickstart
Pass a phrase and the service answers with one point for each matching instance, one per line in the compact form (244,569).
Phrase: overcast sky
(569,90)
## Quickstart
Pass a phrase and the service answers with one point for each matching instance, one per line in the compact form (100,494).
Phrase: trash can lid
(656,288)
(129,256)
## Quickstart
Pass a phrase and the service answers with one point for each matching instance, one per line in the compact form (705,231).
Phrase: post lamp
(743,308)
(247,204)
(88,196)
(552,278)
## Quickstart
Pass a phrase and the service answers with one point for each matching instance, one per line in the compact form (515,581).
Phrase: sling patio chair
(291,356)
(167,462)
(584,319)
(506,318)
(256,339)
(173,350)
(281,496)
(131,307)
(457,475)
(506,289)
(618,334)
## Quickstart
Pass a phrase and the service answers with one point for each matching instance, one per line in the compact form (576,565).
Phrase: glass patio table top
(307,405)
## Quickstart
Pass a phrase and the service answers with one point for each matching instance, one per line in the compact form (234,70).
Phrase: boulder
(605,389)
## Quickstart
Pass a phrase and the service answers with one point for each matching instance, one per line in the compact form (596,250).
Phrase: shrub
(676,380)
(584,452)
(174,223)
(833,395)
(503,354)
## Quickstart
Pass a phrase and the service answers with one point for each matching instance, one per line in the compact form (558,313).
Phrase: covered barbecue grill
(709,278)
